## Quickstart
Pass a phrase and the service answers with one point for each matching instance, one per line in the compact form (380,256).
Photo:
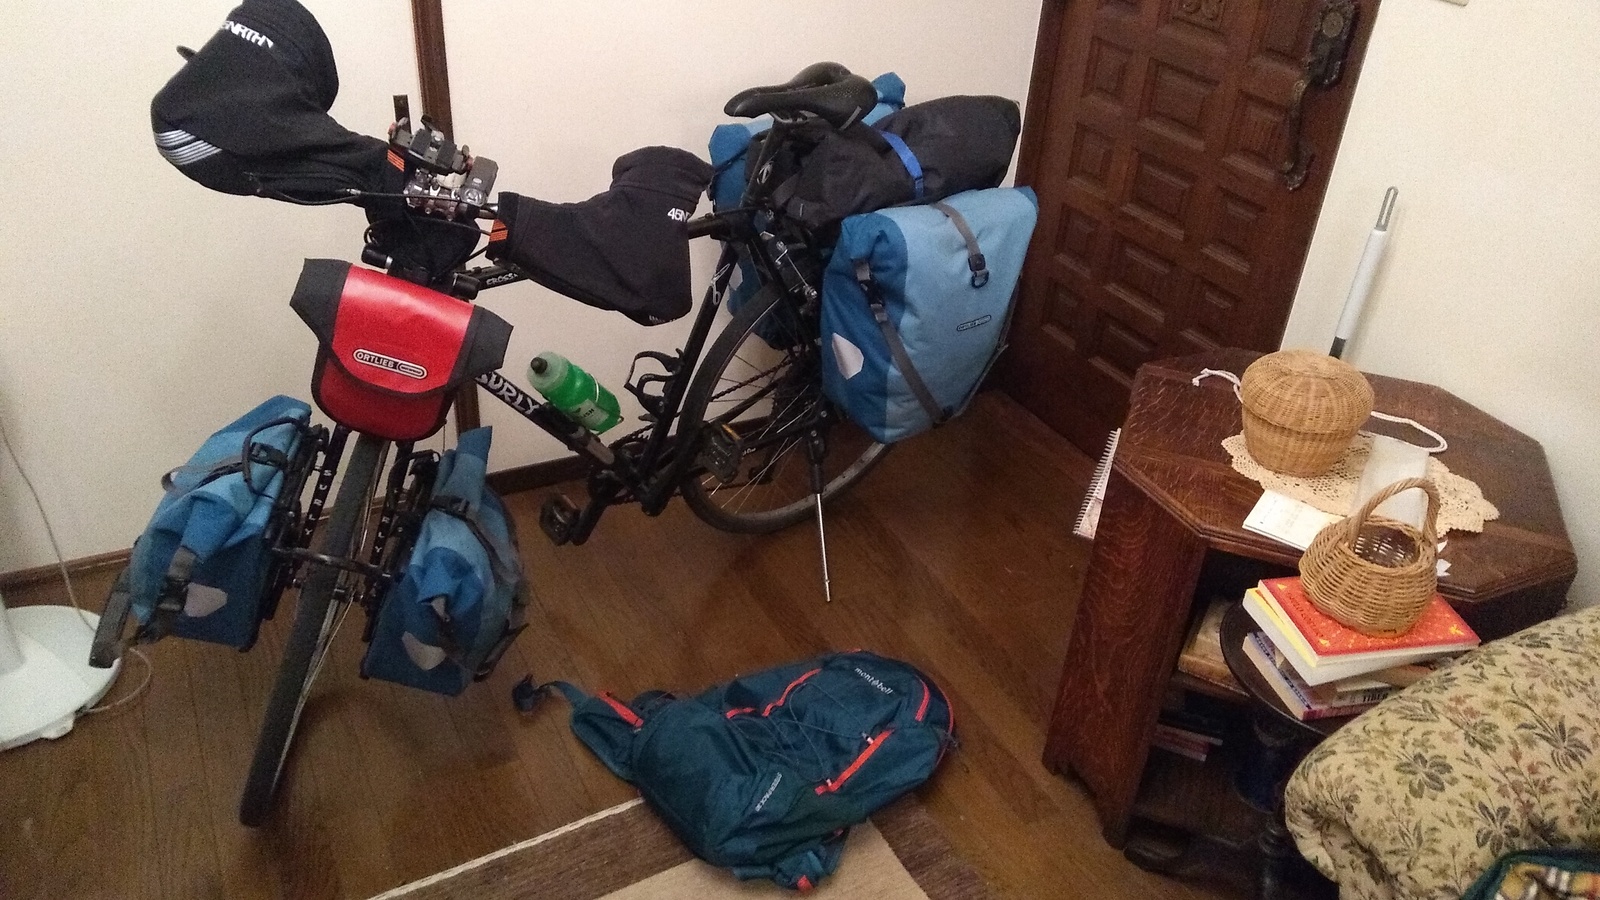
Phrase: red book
(1440,628)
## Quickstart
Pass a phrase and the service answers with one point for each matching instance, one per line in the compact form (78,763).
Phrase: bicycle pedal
(721,451)
(557,517)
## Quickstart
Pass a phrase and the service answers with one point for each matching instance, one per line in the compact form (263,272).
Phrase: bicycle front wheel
(314,624)
(759,391)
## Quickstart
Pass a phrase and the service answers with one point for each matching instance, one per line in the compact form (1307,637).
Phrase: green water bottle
(574,392)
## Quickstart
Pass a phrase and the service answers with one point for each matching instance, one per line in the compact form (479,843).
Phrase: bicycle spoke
(743,497)
(771,397)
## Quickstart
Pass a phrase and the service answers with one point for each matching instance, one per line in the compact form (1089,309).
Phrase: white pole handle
(1366,271)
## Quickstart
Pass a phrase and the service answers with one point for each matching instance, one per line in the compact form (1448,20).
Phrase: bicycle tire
(314,616)
(783,498)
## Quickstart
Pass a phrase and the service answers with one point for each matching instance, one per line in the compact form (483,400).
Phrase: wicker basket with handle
(1372,573)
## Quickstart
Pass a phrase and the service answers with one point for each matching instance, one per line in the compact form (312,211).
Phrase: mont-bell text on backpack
(573,391)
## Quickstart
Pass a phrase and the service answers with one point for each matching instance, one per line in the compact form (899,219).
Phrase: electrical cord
(66,577)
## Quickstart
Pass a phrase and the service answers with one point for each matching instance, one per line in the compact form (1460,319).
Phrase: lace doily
(1462,506)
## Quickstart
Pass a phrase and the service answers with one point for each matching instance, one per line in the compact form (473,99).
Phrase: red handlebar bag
(391,354)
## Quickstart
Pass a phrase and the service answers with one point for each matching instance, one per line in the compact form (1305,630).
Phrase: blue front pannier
(461,598)
(915,305)
(200,567)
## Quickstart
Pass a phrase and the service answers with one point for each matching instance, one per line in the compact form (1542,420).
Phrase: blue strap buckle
(907,159)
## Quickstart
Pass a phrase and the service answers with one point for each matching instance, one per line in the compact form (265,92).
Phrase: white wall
(142,311)
(557,91)
(1487,119)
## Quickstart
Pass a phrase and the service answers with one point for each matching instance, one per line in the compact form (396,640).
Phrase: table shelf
(1199,798)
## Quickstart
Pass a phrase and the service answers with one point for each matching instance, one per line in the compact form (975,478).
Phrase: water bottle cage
(641,387)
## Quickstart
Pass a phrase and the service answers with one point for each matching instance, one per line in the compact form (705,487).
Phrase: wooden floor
(955,554)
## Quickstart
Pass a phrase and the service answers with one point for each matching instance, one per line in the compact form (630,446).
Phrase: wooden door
(1155,134)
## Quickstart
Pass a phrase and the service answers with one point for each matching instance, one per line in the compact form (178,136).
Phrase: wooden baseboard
(507,481)
(88,565)
(538,475)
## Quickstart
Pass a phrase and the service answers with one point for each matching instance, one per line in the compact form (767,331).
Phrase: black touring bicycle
(736,425)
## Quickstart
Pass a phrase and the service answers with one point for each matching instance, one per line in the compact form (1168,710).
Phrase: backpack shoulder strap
(604,724)
(804,867)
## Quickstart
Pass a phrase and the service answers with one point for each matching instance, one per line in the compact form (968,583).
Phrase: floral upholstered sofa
(1497,752)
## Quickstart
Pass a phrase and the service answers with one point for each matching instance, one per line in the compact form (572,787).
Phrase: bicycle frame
(626,471)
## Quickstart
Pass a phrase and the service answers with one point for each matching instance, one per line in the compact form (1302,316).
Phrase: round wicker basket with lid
(1301,408)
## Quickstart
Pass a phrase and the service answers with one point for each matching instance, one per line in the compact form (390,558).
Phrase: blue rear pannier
(200,567)
(729,144)
(915,305)
(461,598)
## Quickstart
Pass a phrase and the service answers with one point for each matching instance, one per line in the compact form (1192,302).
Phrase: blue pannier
(200,567)
(915,305)
(729,144)
(460,599)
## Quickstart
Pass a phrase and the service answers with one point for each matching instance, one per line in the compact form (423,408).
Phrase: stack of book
(1190,726)
(1320,667)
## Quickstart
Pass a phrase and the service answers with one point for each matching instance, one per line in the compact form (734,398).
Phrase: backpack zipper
(776,703)
(833,784)
(622,710)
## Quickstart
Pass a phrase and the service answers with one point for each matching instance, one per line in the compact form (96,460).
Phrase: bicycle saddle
(826,90)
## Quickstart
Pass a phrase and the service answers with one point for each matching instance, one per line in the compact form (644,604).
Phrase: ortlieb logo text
(399,366)
(981,320)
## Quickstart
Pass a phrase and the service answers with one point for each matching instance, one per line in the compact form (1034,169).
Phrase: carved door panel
(1157,136)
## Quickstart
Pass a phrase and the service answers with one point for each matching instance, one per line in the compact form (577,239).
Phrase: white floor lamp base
(42,696)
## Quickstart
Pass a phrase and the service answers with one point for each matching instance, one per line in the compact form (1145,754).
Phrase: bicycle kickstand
(815,450)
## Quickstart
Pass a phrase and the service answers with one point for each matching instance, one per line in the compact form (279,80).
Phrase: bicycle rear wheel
(760,384)
(314,620)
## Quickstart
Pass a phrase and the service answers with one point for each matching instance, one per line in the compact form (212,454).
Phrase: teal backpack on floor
(916,301)
(461,598)
(765,774)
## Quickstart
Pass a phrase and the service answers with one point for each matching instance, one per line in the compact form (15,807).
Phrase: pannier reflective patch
(425,656)
(847,357)
(203,600)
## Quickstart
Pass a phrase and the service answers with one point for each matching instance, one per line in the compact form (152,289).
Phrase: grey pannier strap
(897,349)
(975,260)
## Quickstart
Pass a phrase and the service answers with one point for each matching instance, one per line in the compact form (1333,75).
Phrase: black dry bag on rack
(925,152)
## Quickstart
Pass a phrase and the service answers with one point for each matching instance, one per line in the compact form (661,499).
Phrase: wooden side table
(1172,519)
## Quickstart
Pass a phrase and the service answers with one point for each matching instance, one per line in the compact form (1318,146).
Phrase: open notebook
(1089,514)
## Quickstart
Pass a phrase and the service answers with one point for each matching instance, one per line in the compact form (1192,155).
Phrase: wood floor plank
(955,554)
